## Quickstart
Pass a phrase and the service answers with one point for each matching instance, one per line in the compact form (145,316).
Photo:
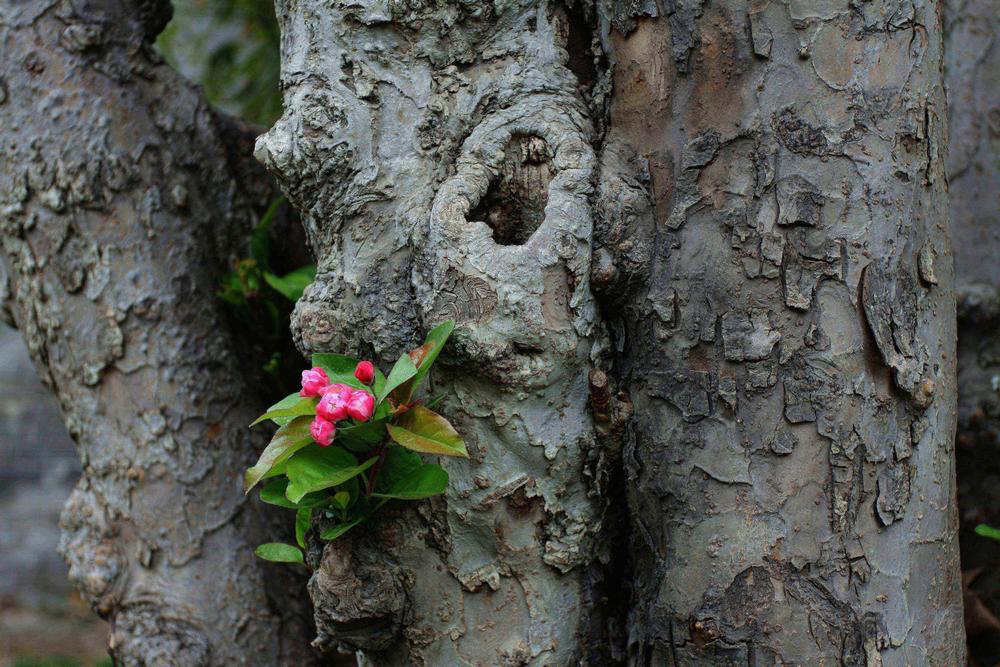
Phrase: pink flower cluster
(337,401)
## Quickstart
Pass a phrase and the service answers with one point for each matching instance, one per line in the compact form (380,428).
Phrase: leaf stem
(375,469)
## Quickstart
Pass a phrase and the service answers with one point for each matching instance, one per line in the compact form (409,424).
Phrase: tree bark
(121,208)
(789,346)
(699,262)
(732,219)
(386,151)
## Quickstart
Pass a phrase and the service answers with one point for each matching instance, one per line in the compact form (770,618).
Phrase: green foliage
(231,47)
(288,408)
(303,518)
(289,439)
(423,430)
(292,284)
(259,299)
(340,369)
(369,463)
(318,468)
(426,481)
(55,661)
(988,531)
(401,372)
(280,553)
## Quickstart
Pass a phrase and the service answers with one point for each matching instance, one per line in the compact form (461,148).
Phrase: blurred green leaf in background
(55,662)
(231,48)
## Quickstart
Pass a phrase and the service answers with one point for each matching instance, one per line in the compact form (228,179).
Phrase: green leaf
(333,533)
(341,499)
(289,439)
(280,553)
(288,410)
(335,364)
(435,339)
(423,357)
(340,369)
(988,531)
(320,468)
(302,520)
(273,493)
(402,371)
(361,437)
(276,471)
(292,284)
(260,238)
(423,430)
(284,404)
(428,480)
(398,464)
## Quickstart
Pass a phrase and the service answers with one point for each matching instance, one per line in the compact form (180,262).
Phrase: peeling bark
(748,203)
(455,183)
(788,335)
(698,260)
(120,207)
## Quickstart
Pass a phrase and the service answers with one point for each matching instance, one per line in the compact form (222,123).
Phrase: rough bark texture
(788,342)
(972,79)
(119,209)
(767,242)
(442,159)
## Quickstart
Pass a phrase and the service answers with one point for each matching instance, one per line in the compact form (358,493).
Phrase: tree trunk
(735,212)
(371,151)
(121,208)
(790,353)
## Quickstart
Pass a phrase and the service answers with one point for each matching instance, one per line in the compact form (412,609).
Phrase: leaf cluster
(260,299)
(369,463)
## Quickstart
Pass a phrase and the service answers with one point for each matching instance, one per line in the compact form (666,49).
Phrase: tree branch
(119,213)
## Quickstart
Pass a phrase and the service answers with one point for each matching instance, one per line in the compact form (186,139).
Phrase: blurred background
(42,620)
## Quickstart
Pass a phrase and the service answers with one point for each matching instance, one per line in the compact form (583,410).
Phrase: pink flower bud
(333,405)
(365,372)
(313,381)
(361,405)
(322,431)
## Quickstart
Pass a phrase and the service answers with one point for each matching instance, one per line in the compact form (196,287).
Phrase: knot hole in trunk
(514,205)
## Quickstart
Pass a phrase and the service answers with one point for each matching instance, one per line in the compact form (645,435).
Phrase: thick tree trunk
(789,347)
(767,242)
(727,219)
(388,151)
(120,210)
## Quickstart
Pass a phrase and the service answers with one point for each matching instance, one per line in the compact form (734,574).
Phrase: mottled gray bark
(789,339)
(766,252)
(389,151)
(727,220)
(120,207)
